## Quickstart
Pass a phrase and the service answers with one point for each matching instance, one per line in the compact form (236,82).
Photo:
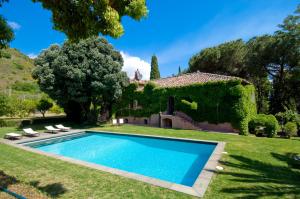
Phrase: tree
(270,62)
(154,74)
(283,66)
(226,59)
(44,105)
(84,78)
(286,82)
(82,19)
(179,71)
(257,58)
(6,33)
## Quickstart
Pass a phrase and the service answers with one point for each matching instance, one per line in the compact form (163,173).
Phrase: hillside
(15,69)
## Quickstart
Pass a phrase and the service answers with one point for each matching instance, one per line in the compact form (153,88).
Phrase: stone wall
(178,122)
(153,120)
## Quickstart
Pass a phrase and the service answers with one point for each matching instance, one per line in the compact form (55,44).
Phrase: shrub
(5,54)
(290,128)
(26,86)
(10,122)
(56,109)
(3,104)
(44,105)
(35,121)
(19,107)
(18,66)
(268,122)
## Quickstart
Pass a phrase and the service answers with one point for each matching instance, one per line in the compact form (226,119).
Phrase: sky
(174,30)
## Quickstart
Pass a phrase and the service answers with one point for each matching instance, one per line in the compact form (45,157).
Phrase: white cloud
(131,64)
(32,55)
(14,25)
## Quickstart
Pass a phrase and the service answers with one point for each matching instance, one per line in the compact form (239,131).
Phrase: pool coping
(198,189)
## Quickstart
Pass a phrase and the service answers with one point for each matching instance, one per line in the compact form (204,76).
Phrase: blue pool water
(170,160)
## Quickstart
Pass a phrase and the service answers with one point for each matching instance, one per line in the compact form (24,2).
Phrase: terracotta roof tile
(191,78)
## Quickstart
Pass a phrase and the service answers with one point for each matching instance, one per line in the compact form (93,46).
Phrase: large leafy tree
(154,74)
(285,63)
(226,59)
(6,33)
(82,18)
(85,78)
(270,62)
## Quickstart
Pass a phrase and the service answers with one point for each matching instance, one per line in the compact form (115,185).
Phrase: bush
(50,120)
(5,54)
(31,87)
(10,122)
(3,104)
(290,129)
(267,122)
(56,109)
(20,108)
(35,121)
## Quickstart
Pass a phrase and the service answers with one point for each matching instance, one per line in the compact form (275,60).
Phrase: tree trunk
(105,113)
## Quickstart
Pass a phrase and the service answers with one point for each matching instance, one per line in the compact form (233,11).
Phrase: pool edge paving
(198,189)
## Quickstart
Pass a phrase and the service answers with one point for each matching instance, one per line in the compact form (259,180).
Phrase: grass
(16,68)
(254,168)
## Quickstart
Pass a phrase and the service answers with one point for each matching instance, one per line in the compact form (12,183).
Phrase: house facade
(202,101)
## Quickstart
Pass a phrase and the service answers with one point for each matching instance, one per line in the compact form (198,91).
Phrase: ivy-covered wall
(215,102)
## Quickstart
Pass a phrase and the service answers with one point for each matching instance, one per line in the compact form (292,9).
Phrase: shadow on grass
(6,180)
(279,180)
(54,190)
(289,159)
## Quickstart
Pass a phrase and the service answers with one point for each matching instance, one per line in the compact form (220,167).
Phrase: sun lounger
(30,132)
(13,136)
(62,127)
(114,122)
(51,129)
(121,121)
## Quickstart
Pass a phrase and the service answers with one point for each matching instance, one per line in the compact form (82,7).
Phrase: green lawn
(254,168)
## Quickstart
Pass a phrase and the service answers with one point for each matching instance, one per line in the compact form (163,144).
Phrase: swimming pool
(170,160)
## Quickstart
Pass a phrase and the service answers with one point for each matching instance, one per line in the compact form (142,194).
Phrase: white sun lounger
(62,127)
(13,136)
(51,129)
(30,132)
(121,121)
(114,122)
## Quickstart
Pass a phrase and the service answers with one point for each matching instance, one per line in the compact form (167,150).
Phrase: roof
(192,78)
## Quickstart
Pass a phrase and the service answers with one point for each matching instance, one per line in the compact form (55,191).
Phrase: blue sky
(174,29)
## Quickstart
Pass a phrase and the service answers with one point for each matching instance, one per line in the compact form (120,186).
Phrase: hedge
(268,122)
(214,102)
(31,121)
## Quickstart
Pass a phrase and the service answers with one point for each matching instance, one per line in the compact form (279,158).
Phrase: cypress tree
(179,71)
(154,74)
